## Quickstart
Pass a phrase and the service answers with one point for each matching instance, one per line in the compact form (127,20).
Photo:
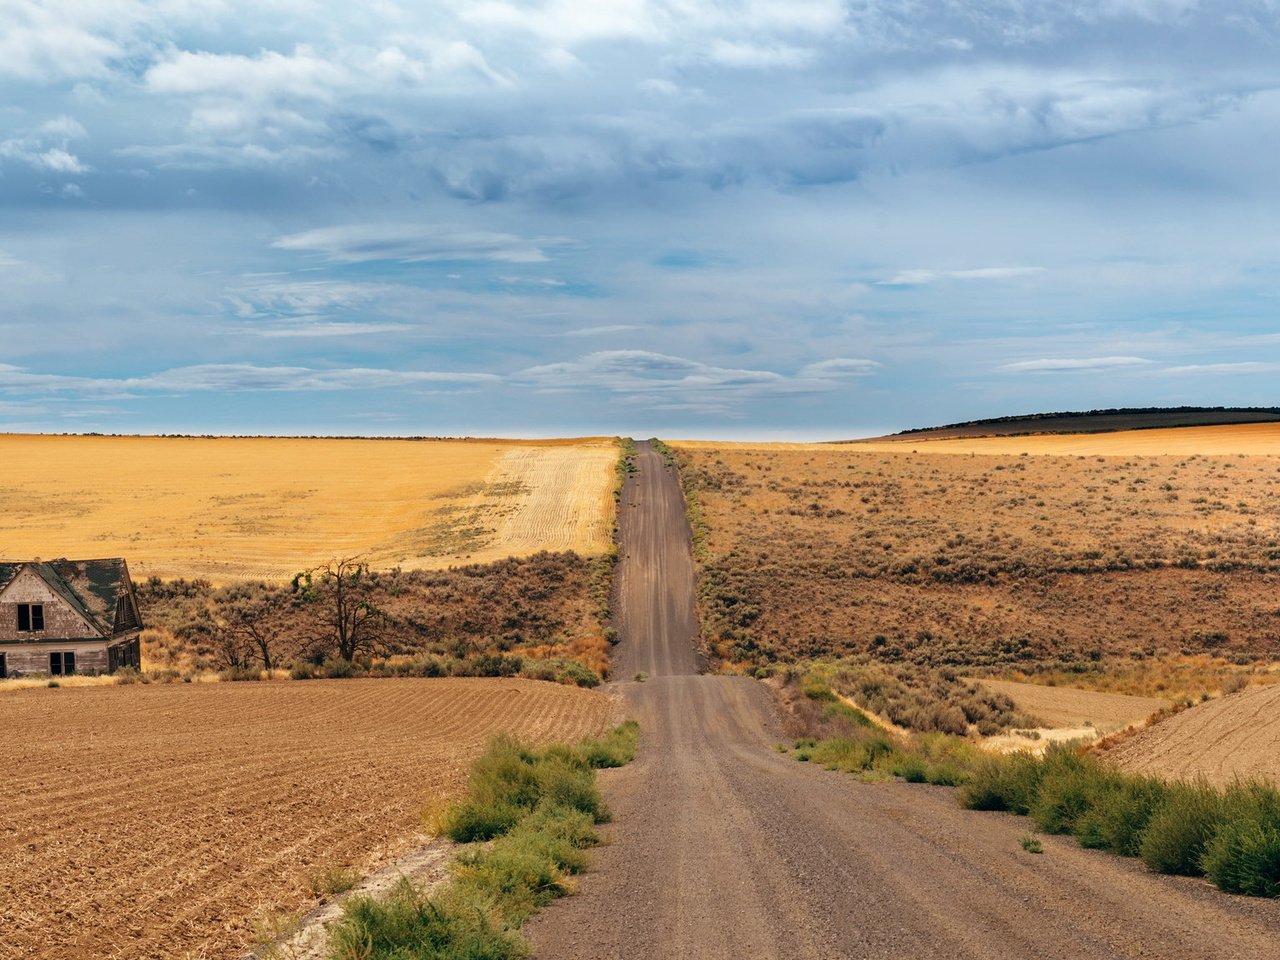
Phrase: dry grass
(1250,439)
(148,821)
(1182,677)
(253,508)
(1002,561)
(1068,707)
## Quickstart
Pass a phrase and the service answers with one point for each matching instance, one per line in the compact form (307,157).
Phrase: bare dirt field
(991,559)
(163,821)
(1235,736)
(1068,707)
(264,508)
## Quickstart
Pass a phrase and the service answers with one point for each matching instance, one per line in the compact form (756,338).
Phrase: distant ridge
(1091,421)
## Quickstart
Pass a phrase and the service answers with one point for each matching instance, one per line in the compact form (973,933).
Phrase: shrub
(575,674)
(1179,829)
(615,749)
(1062,795)
(539,808)
(238,674)
(302,670)
(1120,808)
(1244,854)
(333,880)
(335,668)
(408,923)
(1003,783)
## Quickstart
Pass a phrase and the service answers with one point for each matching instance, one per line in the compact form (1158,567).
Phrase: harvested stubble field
(1249,439)
(164,821)
(1234,736)
(942,555)
(264,508)
(1068,707)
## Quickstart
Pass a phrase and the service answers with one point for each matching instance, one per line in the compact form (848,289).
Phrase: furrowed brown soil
(989,560)
(1235,736)
(162,821)
(237,508)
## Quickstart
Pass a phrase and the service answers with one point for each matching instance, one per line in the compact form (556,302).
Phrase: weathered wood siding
(24,658)
(60,619)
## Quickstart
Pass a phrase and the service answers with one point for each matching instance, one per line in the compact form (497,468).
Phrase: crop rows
(147,821)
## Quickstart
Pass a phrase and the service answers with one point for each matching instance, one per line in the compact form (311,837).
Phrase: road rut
(723,848)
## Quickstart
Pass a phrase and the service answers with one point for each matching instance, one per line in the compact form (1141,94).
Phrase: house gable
(64,618)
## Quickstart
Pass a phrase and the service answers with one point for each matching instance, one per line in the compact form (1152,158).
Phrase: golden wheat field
(264,508)
(1248,439)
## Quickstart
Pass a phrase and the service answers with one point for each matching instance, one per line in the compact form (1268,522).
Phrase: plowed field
(164,821)
(1234,736)
(264,508)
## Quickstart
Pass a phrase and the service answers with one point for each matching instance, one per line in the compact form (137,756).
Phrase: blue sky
(801,218)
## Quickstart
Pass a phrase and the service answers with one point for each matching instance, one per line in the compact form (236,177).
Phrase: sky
(802,219)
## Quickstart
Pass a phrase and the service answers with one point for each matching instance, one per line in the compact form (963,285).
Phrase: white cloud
(302,73)
(1063,364)
(660,382)
(840,367)
(44,40)
(46,147)
(755,56)
(600,330)
(232,377)
(326,328)
(411,243)
(917,278)
(1243,366)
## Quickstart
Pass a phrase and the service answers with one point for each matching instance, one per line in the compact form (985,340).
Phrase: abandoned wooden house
(67,616)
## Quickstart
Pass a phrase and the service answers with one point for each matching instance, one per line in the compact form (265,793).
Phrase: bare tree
(250,622)
(343,593)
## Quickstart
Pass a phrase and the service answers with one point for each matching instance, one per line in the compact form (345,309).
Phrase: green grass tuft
(538,808)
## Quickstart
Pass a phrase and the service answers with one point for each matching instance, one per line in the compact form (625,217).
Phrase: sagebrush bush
(1179,828)
(1243,856)
(1119,809)
(1003,783)
(1062,795)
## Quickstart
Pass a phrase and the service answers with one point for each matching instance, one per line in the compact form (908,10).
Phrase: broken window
(30,617)
(62,664)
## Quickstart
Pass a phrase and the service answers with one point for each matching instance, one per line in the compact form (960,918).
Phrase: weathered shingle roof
(93,588)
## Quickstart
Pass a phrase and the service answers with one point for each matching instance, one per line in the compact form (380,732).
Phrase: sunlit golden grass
(1250,439)
(240,508)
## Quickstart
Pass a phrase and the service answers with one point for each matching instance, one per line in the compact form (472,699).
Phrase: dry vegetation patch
(165,820)
(996,561)
(228,509)
(549,606)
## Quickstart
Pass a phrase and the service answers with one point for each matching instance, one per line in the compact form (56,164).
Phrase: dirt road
(726,850)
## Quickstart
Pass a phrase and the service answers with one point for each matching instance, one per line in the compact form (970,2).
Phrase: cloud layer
(574,215)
